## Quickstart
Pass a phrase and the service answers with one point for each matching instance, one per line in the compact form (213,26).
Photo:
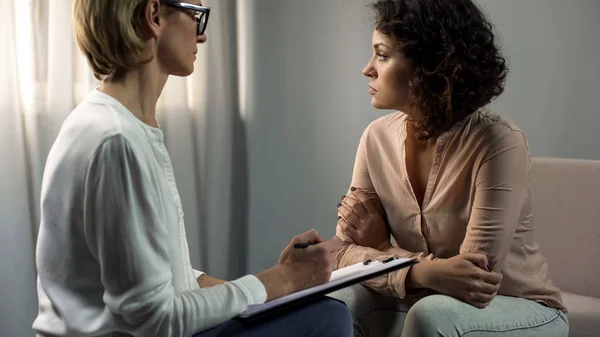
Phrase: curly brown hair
(458,67)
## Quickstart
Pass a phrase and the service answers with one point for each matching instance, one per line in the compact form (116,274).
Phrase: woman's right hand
(465,277)
(314,264)
(301,268)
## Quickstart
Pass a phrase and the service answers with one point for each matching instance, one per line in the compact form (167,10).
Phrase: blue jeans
(376,315)
(326,318)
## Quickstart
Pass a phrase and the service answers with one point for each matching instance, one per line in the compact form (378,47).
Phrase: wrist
(420,275)
(277,280)
(288,282)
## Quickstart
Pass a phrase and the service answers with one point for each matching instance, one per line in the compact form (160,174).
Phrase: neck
(138,90)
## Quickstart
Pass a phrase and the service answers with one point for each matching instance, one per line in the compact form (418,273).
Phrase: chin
(379,105)
(182,69)
(382,105)
(183,72)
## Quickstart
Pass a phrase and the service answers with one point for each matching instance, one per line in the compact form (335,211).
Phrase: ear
(153,20)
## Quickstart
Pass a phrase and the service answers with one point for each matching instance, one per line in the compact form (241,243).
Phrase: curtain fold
(17,275)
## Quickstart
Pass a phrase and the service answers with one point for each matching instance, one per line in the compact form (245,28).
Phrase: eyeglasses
(200,15)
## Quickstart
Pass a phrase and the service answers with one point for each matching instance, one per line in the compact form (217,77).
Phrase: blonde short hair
(108,34)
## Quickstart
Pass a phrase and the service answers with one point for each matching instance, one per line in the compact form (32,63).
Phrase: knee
(359,300)
(431,316)
(372,314)
(337,319)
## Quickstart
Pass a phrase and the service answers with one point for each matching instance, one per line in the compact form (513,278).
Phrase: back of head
(457,64)
(109,34)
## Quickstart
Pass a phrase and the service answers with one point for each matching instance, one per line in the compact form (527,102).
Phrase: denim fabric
(376,315)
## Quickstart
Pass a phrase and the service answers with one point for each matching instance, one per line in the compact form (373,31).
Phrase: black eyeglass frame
(202,10)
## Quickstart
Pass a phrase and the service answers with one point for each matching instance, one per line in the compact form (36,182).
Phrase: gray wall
(308,102)
(552,90)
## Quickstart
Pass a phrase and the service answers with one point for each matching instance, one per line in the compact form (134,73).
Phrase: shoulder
(95,127)
(99,118)
(490,122)
(491,130)
(488,134)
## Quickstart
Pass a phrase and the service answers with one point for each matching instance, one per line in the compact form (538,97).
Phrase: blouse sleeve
(501,187)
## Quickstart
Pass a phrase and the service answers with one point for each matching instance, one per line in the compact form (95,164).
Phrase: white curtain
(43,76)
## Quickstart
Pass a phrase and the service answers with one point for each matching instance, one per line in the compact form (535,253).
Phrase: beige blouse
(477,200)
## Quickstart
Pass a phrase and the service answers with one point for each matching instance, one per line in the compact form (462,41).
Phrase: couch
(566,210)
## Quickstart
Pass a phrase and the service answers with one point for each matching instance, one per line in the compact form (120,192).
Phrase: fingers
(347,213)
(351,202)
(484,298)
(481,261)
(349,230)
(308,236)
(478,259)
(478,304)
(486,288)
(477,299)
(492,278)
(360,196)
(481,299)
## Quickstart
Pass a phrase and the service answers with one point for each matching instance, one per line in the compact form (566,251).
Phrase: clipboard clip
(369,261)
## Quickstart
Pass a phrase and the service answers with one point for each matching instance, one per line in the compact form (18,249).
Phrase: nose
(368,70)
(201,38)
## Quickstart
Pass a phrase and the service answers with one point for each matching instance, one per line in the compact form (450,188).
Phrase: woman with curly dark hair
(448,179)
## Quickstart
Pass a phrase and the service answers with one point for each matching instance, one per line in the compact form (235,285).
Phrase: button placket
(169,174)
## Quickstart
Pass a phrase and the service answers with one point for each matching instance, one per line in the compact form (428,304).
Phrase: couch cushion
(584,315)
(566,214)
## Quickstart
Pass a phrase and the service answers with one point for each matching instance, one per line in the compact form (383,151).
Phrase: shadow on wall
(238,233)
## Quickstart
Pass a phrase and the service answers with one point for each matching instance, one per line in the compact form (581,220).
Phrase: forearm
(421,256)
(159,311)
(351,254)
(416,277)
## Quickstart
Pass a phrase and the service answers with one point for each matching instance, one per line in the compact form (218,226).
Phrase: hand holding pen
(312,259)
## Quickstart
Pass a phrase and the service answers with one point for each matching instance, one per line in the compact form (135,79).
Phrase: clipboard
(340,278)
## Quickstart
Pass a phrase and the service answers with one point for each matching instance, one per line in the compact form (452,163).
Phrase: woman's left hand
(362,221)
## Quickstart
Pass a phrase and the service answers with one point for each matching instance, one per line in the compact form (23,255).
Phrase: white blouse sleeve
(198,273)
(125,234)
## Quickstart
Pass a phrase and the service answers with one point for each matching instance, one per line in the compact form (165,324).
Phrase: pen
(305,244)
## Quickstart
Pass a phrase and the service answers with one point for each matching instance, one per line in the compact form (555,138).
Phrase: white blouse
(112,255)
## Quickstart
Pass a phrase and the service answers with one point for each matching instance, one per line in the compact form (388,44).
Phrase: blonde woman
(112,256)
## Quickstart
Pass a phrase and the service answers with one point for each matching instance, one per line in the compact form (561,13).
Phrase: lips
(372,90)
